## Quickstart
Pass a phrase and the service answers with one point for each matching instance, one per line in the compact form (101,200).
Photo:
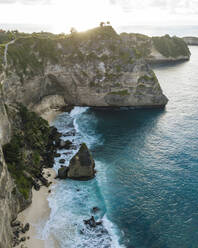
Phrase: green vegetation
(26,149)
(171,46)
(117,84)
(137,36)
(5,37)
(95,34)
(120,93)
(29,55)
(146,78)
(2,48)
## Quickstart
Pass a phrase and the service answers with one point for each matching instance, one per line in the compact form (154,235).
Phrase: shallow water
(147,172)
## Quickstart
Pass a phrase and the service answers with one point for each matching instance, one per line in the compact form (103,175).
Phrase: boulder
(64,144)
(26,227)
(92,223)
(57,155)
(62,161)
(63,172)
(15,223)
(95,210)
(82,165)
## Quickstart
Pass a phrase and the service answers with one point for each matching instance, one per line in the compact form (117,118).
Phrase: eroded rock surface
(95,68)
(81,166)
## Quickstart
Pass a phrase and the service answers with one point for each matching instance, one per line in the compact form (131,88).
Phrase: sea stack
(82,165)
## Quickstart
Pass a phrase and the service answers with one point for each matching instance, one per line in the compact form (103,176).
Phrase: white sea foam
(71,201)
(77,111)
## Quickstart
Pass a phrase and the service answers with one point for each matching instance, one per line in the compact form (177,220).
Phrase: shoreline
(39,211)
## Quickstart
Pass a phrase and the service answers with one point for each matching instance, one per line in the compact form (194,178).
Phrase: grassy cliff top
(166,45)
(31,52)
(171,46)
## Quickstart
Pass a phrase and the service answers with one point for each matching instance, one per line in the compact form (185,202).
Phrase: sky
(60,15)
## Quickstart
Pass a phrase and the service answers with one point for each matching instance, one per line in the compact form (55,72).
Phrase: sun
(81,15)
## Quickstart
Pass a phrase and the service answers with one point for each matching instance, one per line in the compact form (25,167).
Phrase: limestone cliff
(94,68)
(192,41)
(26,146)
(158,49)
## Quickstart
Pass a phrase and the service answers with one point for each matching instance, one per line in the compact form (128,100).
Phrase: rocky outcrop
(63,172)
(26,146)
(81,166)
(96,68)
(9,205)
(158,49)
(191,41)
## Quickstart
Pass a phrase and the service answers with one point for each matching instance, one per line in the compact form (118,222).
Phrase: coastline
(39,211)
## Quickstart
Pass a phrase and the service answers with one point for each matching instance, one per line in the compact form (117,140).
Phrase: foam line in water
(65,226)
(78,110)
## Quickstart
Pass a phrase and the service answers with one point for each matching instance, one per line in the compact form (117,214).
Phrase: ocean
(146,185)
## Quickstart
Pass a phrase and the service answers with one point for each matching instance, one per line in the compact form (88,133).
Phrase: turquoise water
(147,172)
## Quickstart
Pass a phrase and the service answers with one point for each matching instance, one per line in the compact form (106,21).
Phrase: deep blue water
(147,172)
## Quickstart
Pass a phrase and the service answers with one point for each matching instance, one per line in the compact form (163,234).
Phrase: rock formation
(95,68)
(192,41)
(82,165)
(24,153)
(63,172)
(157,49)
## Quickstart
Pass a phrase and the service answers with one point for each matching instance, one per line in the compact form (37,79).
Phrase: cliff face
(25,147)
(9,205)
(192,41)
(95,68)
(158,49)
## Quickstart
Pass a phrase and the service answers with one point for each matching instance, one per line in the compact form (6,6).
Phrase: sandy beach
(50,115)
(37,213)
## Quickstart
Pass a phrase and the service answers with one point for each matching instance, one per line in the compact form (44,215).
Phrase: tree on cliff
(102,24)
(73,30)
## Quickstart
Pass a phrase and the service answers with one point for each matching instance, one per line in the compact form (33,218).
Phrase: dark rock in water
(62,161)
(63,172)
(65,144)
(57,155)
(95,210)
(70,133)
(73,147)
(92,223)
(81,231)
(67,153)
(82,165)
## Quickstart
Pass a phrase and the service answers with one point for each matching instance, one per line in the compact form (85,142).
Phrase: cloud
(26,2)
(176,7)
